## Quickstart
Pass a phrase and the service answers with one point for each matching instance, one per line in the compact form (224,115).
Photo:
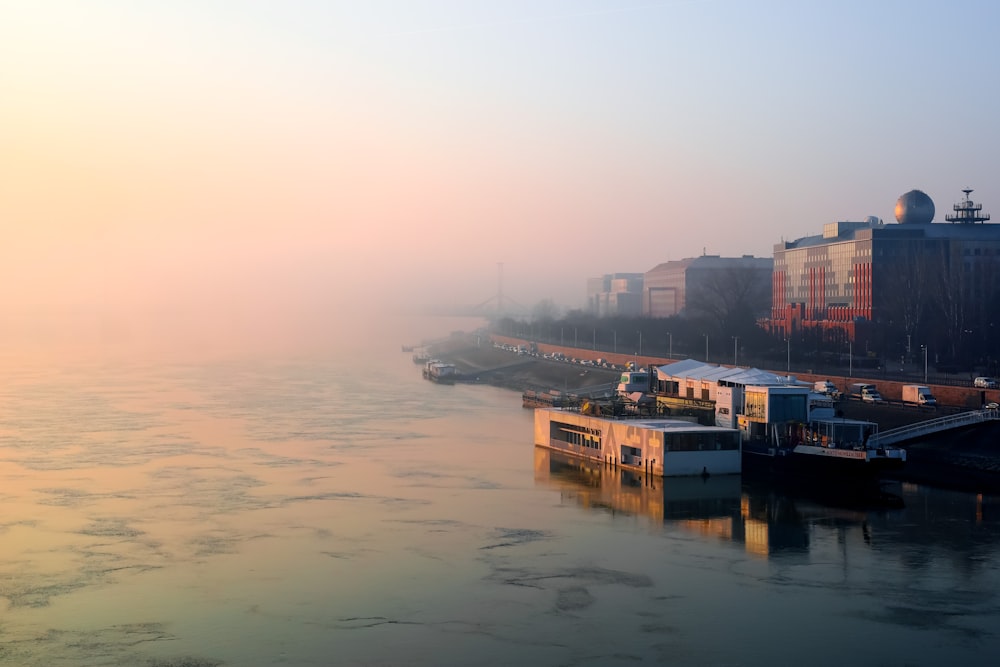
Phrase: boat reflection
(596,485)
(768,520)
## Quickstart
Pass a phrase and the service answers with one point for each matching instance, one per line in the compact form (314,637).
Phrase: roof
(678,368)
(677,425)
(757,377)
(698,370)
(715,262)
(848,231)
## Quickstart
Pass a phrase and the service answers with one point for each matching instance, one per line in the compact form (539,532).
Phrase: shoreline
(963,460)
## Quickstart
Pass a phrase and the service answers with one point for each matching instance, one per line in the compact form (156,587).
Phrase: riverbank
(966,459)
(489,365)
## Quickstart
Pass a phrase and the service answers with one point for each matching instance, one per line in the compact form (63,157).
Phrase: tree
(545,311)
(909,280)
(731,299)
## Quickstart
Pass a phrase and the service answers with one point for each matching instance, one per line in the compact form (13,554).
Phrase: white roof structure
(680,369)
(691,369)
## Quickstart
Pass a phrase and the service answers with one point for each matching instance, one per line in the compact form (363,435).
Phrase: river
(340,510)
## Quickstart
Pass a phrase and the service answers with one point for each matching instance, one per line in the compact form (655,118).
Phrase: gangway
(911,431)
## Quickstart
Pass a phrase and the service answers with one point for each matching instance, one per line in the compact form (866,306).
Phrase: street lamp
(706,347)
(670,345)
(736,343)
(640,343)
(788,344)
(924,347)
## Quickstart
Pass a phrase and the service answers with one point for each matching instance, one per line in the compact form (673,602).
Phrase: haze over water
(212,451)
(339,510)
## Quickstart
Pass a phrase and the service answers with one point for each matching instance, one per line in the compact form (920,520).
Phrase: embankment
(489,365)
(966,459)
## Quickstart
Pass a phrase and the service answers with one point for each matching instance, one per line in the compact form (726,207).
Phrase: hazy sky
(171,158)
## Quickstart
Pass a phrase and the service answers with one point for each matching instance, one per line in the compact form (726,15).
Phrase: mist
(205,180)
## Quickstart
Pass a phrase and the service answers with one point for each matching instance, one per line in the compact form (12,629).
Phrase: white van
(826,387)
(865,392)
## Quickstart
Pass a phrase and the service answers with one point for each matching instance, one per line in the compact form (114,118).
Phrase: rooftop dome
(914,208)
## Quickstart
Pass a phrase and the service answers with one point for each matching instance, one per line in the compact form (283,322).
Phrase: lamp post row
(736,339)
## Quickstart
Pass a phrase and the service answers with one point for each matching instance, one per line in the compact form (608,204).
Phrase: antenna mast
(967,212)
(499,287)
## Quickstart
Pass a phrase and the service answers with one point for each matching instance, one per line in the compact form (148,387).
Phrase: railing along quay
(911,431)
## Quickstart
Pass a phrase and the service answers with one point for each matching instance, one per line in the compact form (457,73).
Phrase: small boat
(440,372)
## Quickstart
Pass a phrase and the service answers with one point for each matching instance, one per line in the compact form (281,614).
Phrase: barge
(836,448)
(550,399)
(657,446)
(438,371)
(784,430)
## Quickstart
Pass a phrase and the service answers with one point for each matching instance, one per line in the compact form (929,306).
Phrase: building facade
(672,288)
(615,294)
(913,283)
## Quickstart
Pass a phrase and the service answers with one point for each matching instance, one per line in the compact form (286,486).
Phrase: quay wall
(966,398)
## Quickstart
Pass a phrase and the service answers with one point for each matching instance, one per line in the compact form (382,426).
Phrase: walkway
(895,435)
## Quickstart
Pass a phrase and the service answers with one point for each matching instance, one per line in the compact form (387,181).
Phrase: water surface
(343,511)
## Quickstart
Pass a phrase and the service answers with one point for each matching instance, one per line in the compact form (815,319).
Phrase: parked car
(984,383)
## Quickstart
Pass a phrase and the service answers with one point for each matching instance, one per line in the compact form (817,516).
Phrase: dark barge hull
(846,482)
(786,461)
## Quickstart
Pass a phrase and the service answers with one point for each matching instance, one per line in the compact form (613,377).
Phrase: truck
(865,392)
(826,388)
(633,381)
(918,394)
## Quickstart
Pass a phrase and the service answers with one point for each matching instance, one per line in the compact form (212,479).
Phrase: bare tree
(948,301)
(545,310)
(908,281)
(731,298)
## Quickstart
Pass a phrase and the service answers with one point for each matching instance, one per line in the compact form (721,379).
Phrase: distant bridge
(911,431)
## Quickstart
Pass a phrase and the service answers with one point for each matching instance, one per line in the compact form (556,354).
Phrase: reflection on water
(705,506)
(348,512)
(770,521)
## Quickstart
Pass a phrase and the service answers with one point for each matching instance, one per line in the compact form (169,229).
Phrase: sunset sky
(246,161)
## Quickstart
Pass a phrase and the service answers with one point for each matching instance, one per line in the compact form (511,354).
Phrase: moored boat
(835,448)
(441,372)
(550,399)
(656,446)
